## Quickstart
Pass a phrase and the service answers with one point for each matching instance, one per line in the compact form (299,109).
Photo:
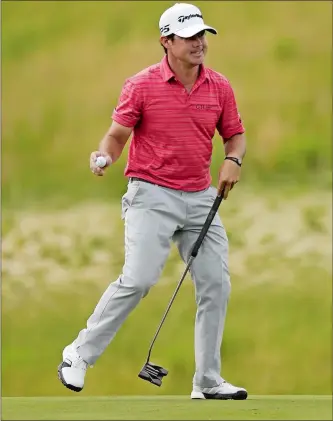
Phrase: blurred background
(63,66)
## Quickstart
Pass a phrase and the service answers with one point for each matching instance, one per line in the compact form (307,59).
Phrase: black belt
(141,179)
(150,182)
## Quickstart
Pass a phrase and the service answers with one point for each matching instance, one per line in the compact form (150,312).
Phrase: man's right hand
(94,168)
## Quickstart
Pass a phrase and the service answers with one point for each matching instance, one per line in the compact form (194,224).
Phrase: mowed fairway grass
(288,407)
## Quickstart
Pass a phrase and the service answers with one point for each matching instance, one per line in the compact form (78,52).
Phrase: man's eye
(198,35)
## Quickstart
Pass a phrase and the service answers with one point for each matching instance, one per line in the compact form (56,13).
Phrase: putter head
(153,373)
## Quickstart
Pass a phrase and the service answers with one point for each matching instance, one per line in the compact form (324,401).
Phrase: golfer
(172,108)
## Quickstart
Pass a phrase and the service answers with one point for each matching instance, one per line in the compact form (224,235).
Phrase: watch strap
(237,160)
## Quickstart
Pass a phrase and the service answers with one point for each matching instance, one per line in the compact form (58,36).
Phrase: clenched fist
(93,165)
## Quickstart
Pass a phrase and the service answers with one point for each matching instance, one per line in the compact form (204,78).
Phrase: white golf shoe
(223,392)
(72,370)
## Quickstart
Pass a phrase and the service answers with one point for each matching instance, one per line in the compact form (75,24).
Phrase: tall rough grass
(277,337)
(63,69)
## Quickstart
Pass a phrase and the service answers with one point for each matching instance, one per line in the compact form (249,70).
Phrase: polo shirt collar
(168,74)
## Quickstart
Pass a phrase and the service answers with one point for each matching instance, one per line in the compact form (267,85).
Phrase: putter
(154,373)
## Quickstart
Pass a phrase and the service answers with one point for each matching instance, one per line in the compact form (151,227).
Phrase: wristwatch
(233,158)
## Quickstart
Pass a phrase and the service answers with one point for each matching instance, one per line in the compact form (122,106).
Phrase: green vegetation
(63,67)
(168,408)
(278,331)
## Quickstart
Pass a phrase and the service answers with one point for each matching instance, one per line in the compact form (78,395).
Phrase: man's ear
(164,41)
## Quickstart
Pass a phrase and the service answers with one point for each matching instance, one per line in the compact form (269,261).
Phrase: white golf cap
(184,20)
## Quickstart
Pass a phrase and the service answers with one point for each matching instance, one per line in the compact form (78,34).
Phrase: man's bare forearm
(115,140)
(236,146)
(111,146)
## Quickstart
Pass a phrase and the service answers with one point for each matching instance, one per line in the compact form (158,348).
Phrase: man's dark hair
(168,37)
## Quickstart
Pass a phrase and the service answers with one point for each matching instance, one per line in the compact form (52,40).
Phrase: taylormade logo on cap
(184,20)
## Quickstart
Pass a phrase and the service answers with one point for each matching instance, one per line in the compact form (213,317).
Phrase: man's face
(189,50)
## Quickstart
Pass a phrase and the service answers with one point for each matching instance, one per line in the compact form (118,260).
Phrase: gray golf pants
(155,216)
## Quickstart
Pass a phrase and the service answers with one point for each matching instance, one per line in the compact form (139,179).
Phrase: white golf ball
(100,161)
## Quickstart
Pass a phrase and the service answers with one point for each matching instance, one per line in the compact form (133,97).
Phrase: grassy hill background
(63,65)
(63,69)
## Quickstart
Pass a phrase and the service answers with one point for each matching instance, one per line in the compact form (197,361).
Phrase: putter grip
(207,223)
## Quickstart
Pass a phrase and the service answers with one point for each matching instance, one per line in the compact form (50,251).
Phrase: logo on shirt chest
(205,107)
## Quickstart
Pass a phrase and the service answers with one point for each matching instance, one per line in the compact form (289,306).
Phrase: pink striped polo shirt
(173,130)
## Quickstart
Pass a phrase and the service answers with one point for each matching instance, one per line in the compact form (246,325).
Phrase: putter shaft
(169,305)
(194,253)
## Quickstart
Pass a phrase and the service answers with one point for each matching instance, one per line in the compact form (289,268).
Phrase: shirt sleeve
(129,107)
(230,122)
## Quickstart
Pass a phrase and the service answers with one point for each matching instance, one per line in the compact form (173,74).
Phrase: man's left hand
(229,175)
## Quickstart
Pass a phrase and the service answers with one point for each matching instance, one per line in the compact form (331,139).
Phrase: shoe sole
(61,378)
(238,396)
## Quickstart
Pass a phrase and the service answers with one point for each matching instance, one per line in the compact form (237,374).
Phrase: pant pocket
(128,198)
